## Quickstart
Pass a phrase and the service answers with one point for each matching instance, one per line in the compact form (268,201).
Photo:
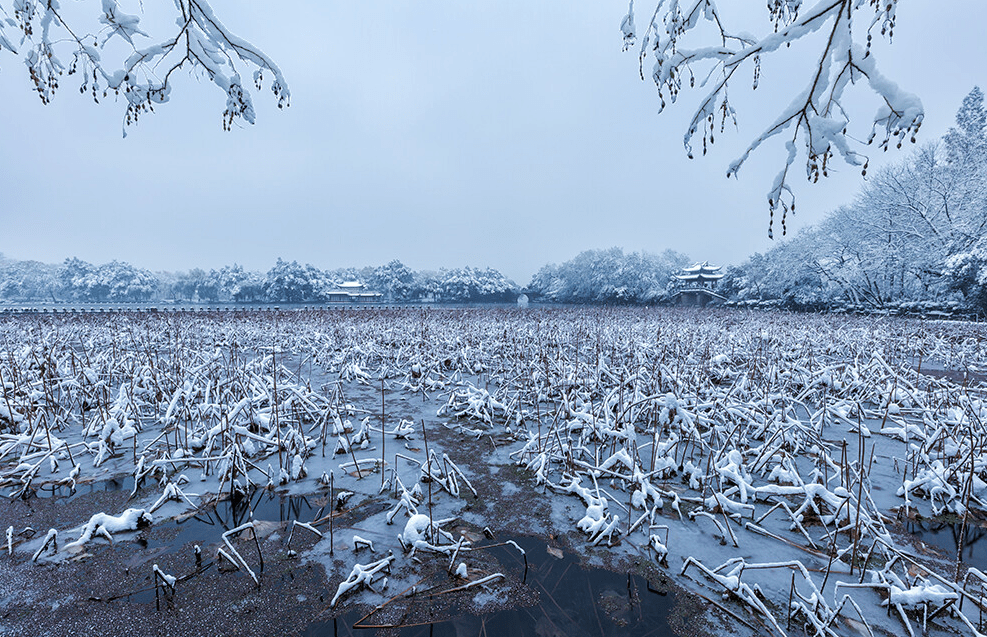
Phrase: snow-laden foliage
(691,42)
(967,272)
(915,233)
(609,276)
(285,282)
(395,280)
(474,284)
(196,284)
(114,281)
(237,284)
(107,49)
(294,283)
(27,280)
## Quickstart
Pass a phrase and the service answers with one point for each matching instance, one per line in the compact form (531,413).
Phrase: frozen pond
(330,471)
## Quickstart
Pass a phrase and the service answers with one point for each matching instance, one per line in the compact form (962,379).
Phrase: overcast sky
(500,133)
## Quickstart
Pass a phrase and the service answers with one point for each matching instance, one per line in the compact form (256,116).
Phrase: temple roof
(700,272)
(703,267)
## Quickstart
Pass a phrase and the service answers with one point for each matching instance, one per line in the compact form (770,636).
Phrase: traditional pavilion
(696,285)
(352,292)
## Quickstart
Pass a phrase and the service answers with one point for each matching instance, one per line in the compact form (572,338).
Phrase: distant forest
(594,276)
(286,282)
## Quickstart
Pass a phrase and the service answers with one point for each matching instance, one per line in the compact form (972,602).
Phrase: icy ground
(769,464)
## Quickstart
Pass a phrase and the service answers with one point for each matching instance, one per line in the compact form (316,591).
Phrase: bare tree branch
(197,40)
(816,117)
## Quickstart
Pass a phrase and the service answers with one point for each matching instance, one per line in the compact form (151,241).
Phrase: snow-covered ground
(770,463)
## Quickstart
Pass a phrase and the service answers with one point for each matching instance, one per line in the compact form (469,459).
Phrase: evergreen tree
(967,141)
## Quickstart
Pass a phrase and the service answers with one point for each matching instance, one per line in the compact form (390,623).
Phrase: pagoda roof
(700,272)
(703,267)
(699,276)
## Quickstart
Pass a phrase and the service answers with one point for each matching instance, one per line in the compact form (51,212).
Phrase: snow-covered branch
(689,37)
(55,43)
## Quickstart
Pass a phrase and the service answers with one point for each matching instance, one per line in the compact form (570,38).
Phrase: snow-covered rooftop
(700,272)
(703,267)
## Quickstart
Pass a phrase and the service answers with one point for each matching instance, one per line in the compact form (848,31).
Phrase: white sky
(500,133)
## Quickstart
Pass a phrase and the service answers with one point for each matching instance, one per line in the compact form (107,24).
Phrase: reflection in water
(208,526)
(946,536)
(66,493)
(572,601)
(563,599)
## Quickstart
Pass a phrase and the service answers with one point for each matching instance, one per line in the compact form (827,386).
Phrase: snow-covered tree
(911,216)
(294,283)
(691,42)
(474,284)
(79,280)
(914,233)
(237,284)
(27,280)
(197,285)
(547,282)
(967,141)
(797,272)
(394,280)
(966,272)
(126,282)
(110,53)
(427,285)
(113,281)
(608,276)
(965,149)
(184,285)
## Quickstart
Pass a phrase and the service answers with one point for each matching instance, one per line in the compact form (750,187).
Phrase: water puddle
(208,525)
(946,535)
(65,493)
(938,369)
(569,600)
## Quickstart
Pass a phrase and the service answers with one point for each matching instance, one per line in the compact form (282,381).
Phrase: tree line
(593,276)
(286,282)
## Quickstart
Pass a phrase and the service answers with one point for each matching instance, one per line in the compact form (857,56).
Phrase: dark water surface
(571,601)
(946,537)
(208,526)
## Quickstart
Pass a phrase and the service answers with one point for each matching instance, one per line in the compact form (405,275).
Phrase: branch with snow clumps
(816,117)
(43,32)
